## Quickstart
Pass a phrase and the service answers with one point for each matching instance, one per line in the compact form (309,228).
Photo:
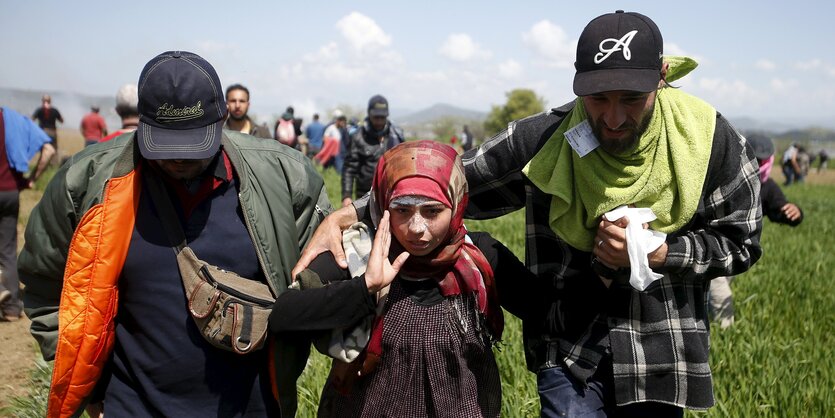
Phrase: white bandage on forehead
(417,223)
(410,200)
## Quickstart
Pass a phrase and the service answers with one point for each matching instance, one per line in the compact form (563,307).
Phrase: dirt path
(18,348)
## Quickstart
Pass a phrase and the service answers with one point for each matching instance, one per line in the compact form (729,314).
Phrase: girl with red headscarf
(411,334)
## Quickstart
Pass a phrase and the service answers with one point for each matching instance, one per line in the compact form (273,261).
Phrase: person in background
(314,132)
(791,168)
(20,140)
(237,101)
(774,205)
(48,117)
(617,337)
(348,130)
(326,156)
(823,159)
(285,129)
(374,137)
(127,102)
(103,284)
(93,127)
(803,164)
(466,139)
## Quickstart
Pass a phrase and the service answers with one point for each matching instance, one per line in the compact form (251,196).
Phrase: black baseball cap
(618,51)
(378,106)
(181,108)
(762,145)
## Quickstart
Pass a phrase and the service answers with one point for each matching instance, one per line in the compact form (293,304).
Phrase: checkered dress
(436,363)
(659,338)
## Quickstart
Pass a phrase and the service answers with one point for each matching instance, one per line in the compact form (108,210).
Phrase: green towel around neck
(665,172)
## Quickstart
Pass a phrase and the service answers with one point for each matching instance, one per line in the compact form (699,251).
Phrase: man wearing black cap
(367,145)
(618,337)
(104,290)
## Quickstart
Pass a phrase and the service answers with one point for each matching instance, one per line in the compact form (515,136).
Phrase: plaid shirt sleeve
(494,170)
(723,239)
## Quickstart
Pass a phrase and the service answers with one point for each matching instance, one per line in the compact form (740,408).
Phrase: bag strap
(165,210)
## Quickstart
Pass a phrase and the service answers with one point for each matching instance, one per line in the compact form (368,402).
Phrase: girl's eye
(432,212)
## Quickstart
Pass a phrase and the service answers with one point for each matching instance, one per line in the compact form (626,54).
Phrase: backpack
(285,132)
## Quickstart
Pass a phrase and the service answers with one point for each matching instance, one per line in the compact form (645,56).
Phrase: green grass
(776,361)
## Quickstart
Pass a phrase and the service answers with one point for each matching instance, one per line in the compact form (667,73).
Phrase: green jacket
(75,246)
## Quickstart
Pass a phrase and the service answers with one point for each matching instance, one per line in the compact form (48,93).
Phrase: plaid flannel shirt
(658,339)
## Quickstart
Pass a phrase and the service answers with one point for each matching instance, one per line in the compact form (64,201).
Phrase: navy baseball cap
(378,106)
(618,51)
(181,108)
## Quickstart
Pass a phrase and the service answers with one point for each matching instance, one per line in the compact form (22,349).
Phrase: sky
(765,60)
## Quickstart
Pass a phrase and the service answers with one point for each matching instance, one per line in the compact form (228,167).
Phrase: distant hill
(439,111)
(751,124)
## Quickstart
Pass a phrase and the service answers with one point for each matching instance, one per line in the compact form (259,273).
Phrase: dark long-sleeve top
(342,302)
(773,201)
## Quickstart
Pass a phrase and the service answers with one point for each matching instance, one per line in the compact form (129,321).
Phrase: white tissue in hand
(639,243)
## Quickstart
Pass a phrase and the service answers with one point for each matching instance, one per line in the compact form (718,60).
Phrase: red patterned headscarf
(458,266)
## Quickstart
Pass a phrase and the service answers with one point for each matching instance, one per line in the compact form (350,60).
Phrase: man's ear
(664,67)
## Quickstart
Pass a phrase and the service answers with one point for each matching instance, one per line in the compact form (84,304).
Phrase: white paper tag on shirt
(582,139)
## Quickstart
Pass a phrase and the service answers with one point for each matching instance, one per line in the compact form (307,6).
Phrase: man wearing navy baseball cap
(625,330)
(96,246)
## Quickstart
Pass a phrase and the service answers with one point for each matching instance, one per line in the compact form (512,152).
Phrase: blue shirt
(314,133)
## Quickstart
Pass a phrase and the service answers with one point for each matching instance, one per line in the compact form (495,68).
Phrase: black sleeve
(521,292)
(340,302)
(773,201)
(350,166)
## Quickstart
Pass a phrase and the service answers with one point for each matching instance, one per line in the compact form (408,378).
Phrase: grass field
(776,361)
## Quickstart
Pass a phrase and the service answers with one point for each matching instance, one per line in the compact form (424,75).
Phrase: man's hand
(95,410)
(610,243)
(380,272)
(328,237)
(346,202)
(791,211)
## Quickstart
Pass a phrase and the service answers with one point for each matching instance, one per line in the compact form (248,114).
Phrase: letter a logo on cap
(621,44)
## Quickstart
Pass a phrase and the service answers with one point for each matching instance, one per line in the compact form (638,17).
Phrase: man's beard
(237,118)
(621,146)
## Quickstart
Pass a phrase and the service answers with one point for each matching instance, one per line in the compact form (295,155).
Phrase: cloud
(362,32)
(461,47)
(673,49)
(216,47)
(550,42)
(765,65)
(510,69)
(736,94)
(783,85)
(809,65)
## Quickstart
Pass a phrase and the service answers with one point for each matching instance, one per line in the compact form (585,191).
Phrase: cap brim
(179,144)
(599,81)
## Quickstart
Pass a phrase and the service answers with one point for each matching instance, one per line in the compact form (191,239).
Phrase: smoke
(73,106)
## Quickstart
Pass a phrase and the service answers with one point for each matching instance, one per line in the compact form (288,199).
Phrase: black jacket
(363,153)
